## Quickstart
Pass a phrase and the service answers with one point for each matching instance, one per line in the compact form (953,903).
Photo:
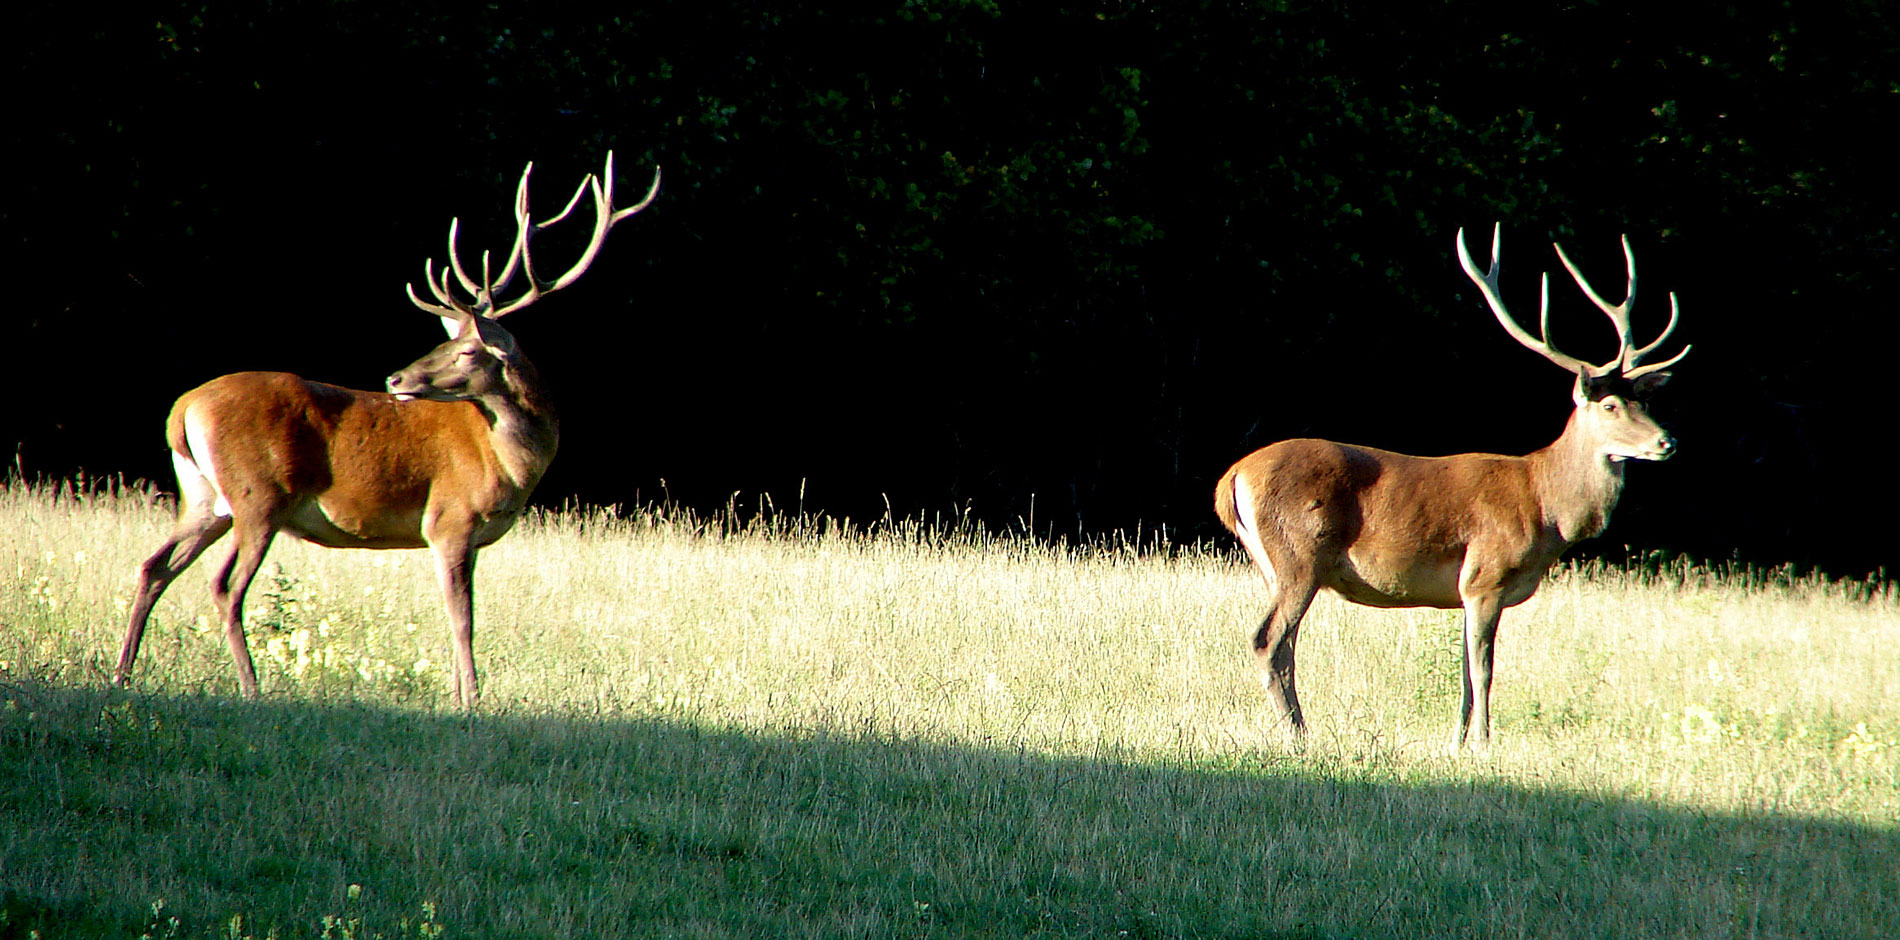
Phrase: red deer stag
(1476,531)
(444,460)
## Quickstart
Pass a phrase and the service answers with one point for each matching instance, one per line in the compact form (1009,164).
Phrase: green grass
(803,729)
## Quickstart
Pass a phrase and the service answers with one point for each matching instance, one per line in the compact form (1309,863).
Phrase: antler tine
(1619,314)
(450,307)
(438,287)
(1635,357)
(454,301)
(536,286)
(1655,366)
(1675,313)
(1488,285)
(428,278)
(572,201)
(485,299)
(1543,307)
(603,220)
(652,191)
(439,311)
(455,261)
(1629,265)
(519,247)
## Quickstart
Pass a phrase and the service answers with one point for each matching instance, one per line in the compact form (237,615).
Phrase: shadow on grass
(524,826)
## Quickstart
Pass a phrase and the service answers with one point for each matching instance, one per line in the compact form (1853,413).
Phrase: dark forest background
(1068,259)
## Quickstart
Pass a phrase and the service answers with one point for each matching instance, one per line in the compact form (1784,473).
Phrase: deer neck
(523,427)
(1577,486)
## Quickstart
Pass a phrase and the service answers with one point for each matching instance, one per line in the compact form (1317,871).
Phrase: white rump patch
(1249,536)
(197,473)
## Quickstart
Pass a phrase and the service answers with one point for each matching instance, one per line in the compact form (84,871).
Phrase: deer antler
(1627,356)
(484,291)
(1488,284)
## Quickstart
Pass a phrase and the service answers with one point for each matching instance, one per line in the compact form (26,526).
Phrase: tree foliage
(967,252)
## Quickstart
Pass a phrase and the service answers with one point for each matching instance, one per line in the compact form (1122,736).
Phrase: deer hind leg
(198,527)
(1291,586)
(1480,635)
(203,518)
(252,540)
(1274,644)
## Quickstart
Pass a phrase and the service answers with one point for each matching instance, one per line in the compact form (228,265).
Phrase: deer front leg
(1480,636)
(455,572)
(227,591)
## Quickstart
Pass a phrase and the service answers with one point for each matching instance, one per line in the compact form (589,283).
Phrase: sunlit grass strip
(1023,739)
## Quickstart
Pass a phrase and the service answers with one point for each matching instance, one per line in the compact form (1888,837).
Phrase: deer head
(480,355)
(1610,398)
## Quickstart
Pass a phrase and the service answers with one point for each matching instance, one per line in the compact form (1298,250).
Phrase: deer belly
(339,527)
(1376,582)
(494,527)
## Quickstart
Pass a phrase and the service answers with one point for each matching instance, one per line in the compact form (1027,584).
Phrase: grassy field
(800,729)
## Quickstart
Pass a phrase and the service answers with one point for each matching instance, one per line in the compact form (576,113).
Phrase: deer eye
(1610,407)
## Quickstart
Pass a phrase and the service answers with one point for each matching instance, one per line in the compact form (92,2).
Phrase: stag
(1471,531)
(445,459)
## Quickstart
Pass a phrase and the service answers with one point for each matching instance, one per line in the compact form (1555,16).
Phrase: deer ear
(1591,388)
(499,341)
(1646,385)
(454,326)
(1584,391)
